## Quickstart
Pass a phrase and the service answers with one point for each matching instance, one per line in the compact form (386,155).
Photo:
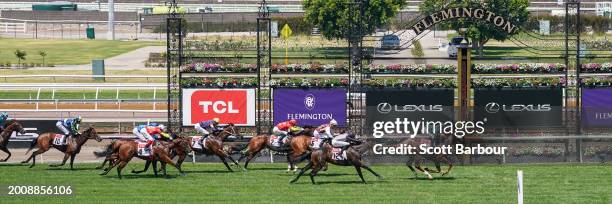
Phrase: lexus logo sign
(492,107)
(229,105)
(386,108)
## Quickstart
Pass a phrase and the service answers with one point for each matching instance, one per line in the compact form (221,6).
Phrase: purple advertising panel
(597,107)
(310,106)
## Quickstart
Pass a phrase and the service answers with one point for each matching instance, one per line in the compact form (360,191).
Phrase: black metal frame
(356,107)
(174,62)
(264,75)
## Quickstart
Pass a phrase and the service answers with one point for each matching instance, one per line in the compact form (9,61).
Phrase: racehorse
(319,158)
(213,145)
(5,135)
(126,149)
(45,142)
(298,147)
(415,160)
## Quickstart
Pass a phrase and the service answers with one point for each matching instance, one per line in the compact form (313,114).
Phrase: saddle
(339,154)
(275,140)
(60,140)
(143,150)
(197,142)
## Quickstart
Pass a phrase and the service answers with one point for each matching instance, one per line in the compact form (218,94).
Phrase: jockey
(145,132)
(325,131)
(207,127)
(283,128)
(3,118)
(342,140)
(70,127)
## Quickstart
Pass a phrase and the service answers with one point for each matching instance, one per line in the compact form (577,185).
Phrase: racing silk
(284,126)
(207,124)
(325,131)
(2,121)
(71,125)
(153,130)
(140,127)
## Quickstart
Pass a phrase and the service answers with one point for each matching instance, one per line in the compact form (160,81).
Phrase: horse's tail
(106,152)
(32,145)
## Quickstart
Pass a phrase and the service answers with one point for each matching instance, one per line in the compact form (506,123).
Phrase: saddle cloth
(60,140)
(275,140)
(143,150)
(197,142)
(338,154)
(315,142)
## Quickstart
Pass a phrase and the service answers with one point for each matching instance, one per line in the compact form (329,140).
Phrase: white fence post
(519,178)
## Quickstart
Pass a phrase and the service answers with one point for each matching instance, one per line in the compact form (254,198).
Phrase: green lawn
(65,52)
(151,71)
(266,183)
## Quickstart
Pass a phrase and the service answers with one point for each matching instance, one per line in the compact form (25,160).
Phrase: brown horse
(45,142)
(299,146)
(213,145)
(319,159)
(8,130)
(126,149)
(415,160)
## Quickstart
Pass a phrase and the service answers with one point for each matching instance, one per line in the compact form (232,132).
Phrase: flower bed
(300,82)
(522,68)
(597,68)
(218,68)
(218,82)
(411,69)
(410,83)
(517,82)
(310,68)
(597,82)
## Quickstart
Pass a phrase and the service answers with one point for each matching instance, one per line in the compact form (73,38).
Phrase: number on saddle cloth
(315,142)
(197,142)
(143,150)
(60,140)
(275,140)
(338,154)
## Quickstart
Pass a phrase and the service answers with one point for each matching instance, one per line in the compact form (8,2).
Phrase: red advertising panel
(229,105)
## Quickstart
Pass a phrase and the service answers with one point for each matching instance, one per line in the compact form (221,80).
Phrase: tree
(43,54)
(480,32)
(332,16)
(21,55)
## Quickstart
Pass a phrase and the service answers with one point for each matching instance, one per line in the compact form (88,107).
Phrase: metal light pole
(111,20)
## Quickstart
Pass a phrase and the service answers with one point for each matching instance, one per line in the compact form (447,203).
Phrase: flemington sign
(468,12)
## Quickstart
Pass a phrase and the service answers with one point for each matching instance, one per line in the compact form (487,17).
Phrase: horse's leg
(313,173)
(120,167)
(409,164)
(4,149)
(234,161)
(33,156)
(154,168)
(418,166)
(111,166)
(225,163)
(449,163)
(308,166)
(249,158)
(72,157)
(289,164)
(167,160)
(103,163)
(66,156)
(147,164)
(358,168)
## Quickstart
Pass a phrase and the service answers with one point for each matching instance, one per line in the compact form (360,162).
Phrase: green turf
(265,183)
(60,52)
(82,94)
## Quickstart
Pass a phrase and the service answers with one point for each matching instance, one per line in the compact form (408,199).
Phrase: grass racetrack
(268,183)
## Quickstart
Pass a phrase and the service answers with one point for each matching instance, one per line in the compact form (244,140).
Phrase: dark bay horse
(5,135)
(45,142)
(298,147)
(126,149)
(319,159)
(415,160)
(213,145)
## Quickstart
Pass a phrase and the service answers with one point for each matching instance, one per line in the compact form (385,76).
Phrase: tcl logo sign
(229,105)
(218,107)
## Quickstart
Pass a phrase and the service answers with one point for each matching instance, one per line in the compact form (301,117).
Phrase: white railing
(8,27)
(54,77)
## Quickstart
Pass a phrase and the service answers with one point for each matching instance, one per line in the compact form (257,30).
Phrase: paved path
(430,44)
(132,60)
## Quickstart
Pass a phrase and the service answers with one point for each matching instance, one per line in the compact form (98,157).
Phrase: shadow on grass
(210,171)
(67,168)
(15,164)
(425,178)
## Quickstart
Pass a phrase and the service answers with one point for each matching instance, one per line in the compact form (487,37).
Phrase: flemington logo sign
(473,13)
(310,106)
